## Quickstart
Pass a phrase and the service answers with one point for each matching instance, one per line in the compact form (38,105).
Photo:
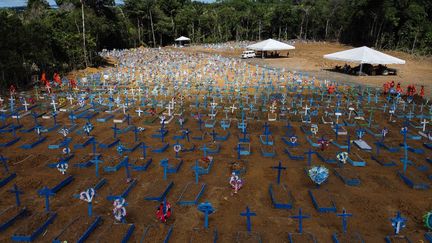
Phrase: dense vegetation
(39,38)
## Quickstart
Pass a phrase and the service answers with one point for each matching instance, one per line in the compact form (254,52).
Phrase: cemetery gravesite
(173,146)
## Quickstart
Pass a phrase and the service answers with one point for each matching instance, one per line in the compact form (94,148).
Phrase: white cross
(169,107)
(70,98)
(124,108)
(132,91)
(350,111)
(172,103)
(306,108)
(337,114)
(12,99)
(25,104)
(139,111)
(233,108)
(424,122)
(53,103)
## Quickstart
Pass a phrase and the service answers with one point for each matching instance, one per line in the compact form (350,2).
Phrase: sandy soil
(307,58)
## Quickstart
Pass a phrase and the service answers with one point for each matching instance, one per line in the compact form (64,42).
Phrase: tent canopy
(362,55)
(270,45)
(182,38)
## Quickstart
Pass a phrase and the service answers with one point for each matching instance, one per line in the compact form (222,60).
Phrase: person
(43,78)
(422,91)
(399,89)
(331,89)
(411,90)
(236,183)
(73,83)
(163,211)
(57,78)
(12,89)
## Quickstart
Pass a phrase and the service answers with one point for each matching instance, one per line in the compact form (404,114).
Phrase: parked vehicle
(248,54)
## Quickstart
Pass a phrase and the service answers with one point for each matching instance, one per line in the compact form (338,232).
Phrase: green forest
(39,38)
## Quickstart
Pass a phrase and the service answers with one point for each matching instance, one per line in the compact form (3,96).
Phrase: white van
(248,54)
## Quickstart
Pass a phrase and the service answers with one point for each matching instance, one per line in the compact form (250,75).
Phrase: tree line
(38,37)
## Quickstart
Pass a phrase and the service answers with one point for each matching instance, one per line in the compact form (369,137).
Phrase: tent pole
(361,66)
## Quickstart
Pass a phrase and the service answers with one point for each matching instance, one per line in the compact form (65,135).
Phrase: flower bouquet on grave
(318,174)
(119,210)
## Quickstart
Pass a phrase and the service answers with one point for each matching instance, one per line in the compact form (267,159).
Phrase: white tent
(362,55)
(182,38)
(270,45)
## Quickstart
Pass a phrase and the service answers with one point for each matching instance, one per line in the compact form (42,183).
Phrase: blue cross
(239,148)
(344,216)
(248,214)
(96,161)
(204,148)
(126,164)
(17,194)
(279,168)
(196,170)
(398,223)
(4,162)
(336,126)
(309,153)
(300,218)
(144,148)
(47,193)
(213,134)
(115,129)
(164,164)
(207,209)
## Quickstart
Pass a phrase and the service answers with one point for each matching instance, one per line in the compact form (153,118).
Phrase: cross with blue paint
(115,130)
(4,162)
(309,154)
(196,170)
(213,134)
(248,214)
(239,149)
(96,161)
(344,216)
(165,165)
(398,223)
(205,149)
(47,193)
(17,193)
(126,164)
(279,168)
(300,218)
(207,209)
(144,148)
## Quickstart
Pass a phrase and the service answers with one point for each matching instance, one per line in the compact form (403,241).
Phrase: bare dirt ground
(308,59)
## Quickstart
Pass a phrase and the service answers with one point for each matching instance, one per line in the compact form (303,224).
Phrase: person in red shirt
(399,88)
(422,91)
(386,87)
(73,83)
(163,212)
(57,78)
(43,79)
(331,89)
